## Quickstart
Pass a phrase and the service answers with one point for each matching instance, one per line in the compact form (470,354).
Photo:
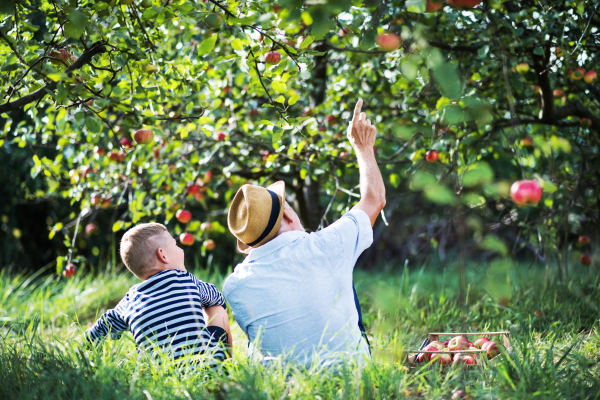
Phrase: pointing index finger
(359,104)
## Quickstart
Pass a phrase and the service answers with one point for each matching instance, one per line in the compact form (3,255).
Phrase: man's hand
(361,133)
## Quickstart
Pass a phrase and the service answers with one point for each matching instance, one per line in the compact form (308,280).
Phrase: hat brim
(279,189)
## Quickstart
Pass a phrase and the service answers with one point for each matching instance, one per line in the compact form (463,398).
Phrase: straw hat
(255,214)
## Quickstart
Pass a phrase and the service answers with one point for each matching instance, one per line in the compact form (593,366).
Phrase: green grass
(554,325)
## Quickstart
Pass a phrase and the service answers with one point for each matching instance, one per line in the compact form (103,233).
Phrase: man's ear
(162,255)
(287,216)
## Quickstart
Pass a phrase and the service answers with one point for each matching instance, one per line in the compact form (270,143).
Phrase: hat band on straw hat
(275,207)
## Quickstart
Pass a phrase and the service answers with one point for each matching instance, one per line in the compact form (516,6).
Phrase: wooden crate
(435,336)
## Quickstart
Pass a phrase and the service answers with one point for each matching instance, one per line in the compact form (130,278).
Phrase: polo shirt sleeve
(354,234)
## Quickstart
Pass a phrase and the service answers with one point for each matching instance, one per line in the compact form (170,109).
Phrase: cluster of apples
(186,238)
(459,343)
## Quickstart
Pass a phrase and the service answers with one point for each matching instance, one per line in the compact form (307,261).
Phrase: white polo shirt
(293,296)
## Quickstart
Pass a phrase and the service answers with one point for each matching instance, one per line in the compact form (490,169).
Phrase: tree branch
(575,108)
(472,48)
(86,58)
(331,47)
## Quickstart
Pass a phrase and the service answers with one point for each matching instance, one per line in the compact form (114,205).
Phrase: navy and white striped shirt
(164,313)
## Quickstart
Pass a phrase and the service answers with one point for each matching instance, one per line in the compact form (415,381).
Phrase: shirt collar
(274,244)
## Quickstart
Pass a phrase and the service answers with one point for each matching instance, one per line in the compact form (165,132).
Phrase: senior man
(293,295)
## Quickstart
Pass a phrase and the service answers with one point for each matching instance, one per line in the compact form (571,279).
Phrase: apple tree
(468,97)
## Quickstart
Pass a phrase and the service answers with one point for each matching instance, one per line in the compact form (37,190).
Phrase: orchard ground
(554,325)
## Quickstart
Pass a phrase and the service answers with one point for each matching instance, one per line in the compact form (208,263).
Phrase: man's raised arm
(372,190)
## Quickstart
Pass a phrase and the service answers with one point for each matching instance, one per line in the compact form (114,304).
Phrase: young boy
(167,310)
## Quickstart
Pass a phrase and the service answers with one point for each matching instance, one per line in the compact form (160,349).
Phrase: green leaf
(439,194)
(293,99)
(446,77)
(237,44)
(279,86)
(92,124)
(416,6)
(277,132)
(117,226)
(76,25)
(493,243)
(538,50)
(307,42)
(279,99)
(395,180)
(478,174)
(10,67)
(207,45)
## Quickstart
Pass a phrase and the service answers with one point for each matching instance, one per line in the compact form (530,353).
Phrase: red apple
(584,240)
(486,344)
(221,136)
(493,349)
(106,203)
(143,136)
(273,58)
(536,89)
(69,271)
(526,192)
(438,345)
(590,77)
(442,358)
(558,92)
(193,189)
(276,8)
(433,5)
(463,4)
(522,68)
(331,119)
(585,260)
(183,216)
(209,244)
(527,142)
(116,156)
(157,152)
(480,342)
(61,54)
(388,41)
(100,151)
(127,143)
(90,229)
(432,156)
(425,357)
(254,112)
(458,343)
(186,239)
(446,343)
(207,176)
(585,122)
(577,74)
(468,360)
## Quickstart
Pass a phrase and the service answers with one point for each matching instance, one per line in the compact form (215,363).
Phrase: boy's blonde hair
(139,245)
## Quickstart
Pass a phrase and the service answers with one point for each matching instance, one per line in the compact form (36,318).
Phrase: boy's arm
(110,322)
(217,316)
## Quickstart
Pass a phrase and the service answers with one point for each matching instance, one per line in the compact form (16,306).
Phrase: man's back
(295,292)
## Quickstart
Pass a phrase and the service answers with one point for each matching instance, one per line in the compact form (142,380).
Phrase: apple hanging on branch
(432,156)
(388,41)
(273,58)
(186,239)
(143,136)
(464,4)
(590,77)
(69,271)
(183,216)
(526,192)
(433,5)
